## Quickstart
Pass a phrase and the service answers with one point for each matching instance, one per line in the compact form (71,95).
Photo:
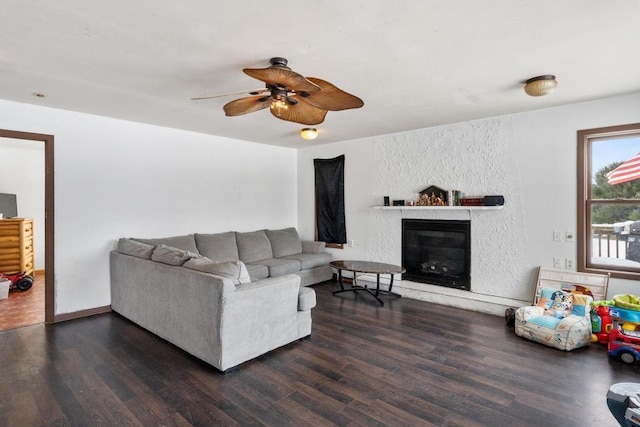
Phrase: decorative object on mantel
(471,201)
(436,197)
(493,200)
(453,197)
(482,201)
(433,196)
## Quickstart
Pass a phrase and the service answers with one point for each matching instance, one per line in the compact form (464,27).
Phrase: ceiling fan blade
(300,112)
(280,76)
(251,92)
(246,105)
(331,97)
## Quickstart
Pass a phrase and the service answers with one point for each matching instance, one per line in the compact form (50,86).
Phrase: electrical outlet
(568,263)
(569,237)
(557,262)
(350,243)
(557,236)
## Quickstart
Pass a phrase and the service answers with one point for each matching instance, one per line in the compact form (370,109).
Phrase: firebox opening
(437,252)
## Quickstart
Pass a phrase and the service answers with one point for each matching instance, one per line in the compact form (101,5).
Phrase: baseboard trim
(458,298)
(82,313)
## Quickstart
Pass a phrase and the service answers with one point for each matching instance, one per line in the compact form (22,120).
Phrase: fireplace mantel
(442,208)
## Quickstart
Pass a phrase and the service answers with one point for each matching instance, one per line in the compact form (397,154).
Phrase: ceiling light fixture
(541,85)
(309,133)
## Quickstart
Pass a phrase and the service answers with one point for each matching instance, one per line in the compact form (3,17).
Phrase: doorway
(49,274)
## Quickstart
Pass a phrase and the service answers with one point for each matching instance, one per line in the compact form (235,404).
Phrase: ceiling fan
(290,96)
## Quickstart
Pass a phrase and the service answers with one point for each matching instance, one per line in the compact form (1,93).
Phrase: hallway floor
(23,308)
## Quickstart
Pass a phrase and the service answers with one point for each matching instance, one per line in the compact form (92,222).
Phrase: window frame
(585,203)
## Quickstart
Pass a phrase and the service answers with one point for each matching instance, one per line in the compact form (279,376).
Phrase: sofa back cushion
(172,256)
(284,242)
(218,247)
(135,248)
(234,270)
(253,246)
(187,243)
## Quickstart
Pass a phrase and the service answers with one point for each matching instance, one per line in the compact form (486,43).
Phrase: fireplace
(437,252)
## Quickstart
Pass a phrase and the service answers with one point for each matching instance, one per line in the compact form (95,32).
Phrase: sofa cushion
(257,271)
(284,242)
(306,299)
(279,266)
(253,246)
(548,322)
(170,255)
(308,261)
(187,243)
(234,270)
(218,247)
(135,248)
(313,247)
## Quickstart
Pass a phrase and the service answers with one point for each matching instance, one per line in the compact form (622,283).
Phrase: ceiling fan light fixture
(279,104)
(540,85)
(309,133)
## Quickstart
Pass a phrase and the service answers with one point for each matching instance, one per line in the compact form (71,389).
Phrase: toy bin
(4,288)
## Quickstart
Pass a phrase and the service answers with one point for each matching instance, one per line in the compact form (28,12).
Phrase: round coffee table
(376,268)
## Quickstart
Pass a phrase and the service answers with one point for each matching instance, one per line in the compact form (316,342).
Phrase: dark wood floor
(408,363)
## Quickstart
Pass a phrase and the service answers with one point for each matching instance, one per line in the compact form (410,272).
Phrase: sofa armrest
(258,317)
(528,312)
(312,247)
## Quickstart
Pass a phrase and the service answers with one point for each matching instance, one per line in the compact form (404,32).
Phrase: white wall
(22,174)
(530,158)
(115,178)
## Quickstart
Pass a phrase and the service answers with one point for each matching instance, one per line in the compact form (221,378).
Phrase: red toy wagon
(21,281)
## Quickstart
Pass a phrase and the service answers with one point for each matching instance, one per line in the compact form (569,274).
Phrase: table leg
(355,287)
(390,287)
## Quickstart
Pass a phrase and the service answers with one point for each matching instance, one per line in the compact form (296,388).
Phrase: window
(609,201)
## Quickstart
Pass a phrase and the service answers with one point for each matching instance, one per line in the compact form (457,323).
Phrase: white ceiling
(415,64)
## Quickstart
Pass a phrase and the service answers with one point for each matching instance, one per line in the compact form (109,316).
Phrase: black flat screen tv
(8,205)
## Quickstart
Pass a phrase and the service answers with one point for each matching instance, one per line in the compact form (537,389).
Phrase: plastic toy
(624,340)
(601,322)
(21,281)
(627,301)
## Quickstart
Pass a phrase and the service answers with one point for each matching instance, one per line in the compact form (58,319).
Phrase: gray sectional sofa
(225,298)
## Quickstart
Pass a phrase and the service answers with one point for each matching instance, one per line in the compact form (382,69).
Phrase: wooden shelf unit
(16,245)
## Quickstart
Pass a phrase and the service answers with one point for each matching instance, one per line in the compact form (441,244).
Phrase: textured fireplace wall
(476,158)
